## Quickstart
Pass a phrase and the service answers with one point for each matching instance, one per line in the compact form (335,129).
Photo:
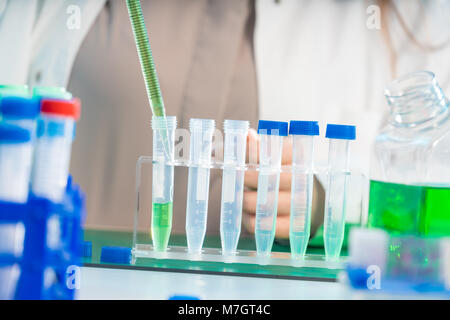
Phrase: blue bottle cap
(20,107)
(279,128)
(305,128)
(181,297)
(116,255)
(13,134)
(338,131)
(86,249)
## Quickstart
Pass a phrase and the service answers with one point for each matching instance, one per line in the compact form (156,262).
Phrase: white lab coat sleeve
(39,39)
(57,37)
(16,25)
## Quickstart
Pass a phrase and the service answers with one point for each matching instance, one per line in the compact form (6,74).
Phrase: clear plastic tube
(162,189)
(15,163)
(233,184)
(336,191)
(56,130)
(303,133)
(271,146)
(198,182)
(52,157)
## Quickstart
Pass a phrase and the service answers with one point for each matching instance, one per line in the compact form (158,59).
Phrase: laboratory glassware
(15,163)
(233,184)
(336,191)
(271,135)
(162,189)
(198,182)
(302,183)
(56,130)
(410,177)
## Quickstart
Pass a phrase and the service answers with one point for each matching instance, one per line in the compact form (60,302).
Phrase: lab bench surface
(111,284)
(160,279)
(124,239)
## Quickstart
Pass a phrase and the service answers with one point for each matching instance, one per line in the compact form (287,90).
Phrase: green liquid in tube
(161,225)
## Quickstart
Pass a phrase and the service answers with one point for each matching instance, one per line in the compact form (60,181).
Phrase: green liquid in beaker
(161,225)
(409,209)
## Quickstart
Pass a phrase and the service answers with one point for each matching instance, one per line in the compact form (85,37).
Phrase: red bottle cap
(65,108)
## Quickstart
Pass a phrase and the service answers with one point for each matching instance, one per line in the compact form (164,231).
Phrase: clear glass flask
(410,179)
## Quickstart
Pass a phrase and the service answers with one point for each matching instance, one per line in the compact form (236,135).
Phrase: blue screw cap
(279,128)
(86,249)
(304,128)
(116,255)
(10,134)
(338,131)
(20,107)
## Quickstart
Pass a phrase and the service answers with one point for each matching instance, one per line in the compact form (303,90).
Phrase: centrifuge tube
(198,182)
(271,135)
(336,192)
(303,133)
(56,131)
(233,184)
(15,163)
(163,173)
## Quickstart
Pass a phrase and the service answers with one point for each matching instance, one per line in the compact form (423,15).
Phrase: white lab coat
(39,39)
(316,60)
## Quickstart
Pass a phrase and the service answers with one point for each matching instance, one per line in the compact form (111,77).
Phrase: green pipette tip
(146,58)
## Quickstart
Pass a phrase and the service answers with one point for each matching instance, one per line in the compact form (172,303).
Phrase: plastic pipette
(147,65)
(146,58)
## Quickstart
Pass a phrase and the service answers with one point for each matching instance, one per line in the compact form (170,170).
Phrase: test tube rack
(46,249)
(146,250)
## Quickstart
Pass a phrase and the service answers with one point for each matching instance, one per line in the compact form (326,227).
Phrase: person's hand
(251,184)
